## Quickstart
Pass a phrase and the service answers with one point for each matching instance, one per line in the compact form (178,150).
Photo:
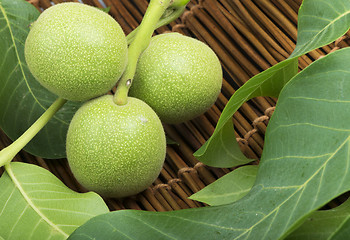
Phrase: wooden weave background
(248,37)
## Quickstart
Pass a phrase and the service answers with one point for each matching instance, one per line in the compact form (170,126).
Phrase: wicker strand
(336,45)
(248,37)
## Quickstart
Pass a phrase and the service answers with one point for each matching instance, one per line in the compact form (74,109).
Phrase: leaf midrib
(8,169)
(297,190)
(302,47)
(20,62)
(339,228)
(17,54)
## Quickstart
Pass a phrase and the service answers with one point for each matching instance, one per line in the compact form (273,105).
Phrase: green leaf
(325,224)
(106,10)
(229,188)
(305,164)
(34,204)
(320,22)
(221,149)
(170,141)
(22,98)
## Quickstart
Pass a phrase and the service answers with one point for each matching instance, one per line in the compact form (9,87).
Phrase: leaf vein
(301,187)
(152,227)
(17,54)
(7,201)
(29,201)
(18,219)
(34,228)
(66,211)
(304,46)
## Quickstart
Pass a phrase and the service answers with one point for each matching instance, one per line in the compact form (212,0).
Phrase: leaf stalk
(154,12)
(164,20)
(8,153)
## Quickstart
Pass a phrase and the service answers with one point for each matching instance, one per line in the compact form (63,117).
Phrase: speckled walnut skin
(76,51)
(178,76)
(115,150)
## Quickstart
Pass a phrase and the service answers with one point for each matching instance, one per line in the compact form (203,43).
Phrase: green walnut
(178,76)
(76,51)
(115,150)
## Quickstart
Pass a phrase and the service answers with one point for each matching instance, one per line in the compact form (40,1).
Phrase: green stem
(180,3)
(164,20)
(8,153)
(154,12)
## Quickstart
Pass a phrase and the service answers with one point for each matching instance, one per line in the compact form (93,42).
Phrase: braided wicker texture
(248,37)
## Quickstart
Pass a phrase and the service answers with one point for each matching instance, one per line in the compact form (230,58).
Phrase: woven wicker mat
(248,37)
